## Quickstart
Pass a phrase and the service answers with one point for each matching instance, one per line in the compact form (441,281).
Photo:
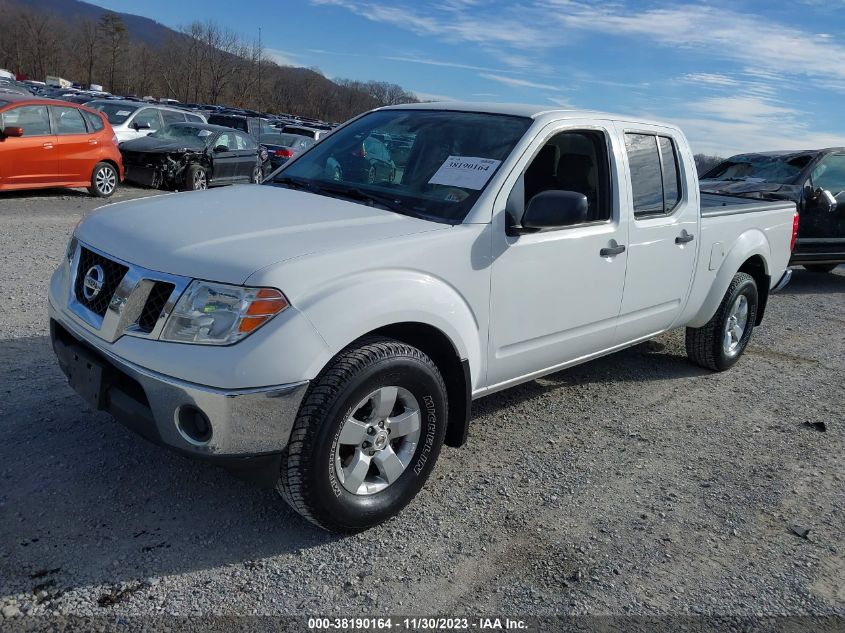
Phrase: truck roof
(518,109)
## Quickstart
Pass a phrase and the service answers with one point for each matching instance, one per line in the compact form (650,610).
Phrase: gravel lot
(635,484)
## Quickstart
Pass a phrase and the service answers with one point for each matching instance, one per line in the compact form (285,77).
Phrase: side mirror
(553,210)
(142,126)
(13,131)
(824,200)
(220,148)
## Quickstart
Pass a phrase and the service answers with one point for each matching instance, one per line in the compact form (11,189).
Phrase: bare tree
(113,36)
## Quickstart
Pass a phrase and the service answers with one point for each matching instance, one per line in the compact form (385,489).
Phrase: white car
(334,333)
(135,119)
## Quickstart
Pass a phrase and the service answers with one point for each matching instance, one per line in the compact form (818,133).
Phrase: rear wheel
(721,341)
(196,178)
(367,436)
(103,180)
(820,268)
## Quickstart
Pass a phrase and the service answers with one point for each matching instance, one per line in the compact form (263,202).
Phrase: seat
(577,172)
(540,175)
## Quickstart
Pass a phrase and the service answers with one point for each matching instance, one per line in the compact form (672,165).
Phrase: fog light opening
(193,424)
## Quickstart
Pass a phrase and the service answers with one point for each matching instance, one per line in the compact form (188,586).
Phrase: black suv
(253,125)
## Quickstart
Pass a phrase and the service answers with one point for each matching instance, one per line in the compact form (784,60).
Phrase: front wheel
(721,341)
(103,180)
(366,437)
(196,178)
(820,268)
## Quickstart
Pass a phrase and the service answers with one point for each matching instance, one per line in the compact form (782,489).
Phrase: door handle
(684,237)
(92,141)
(47,146)
(612,251)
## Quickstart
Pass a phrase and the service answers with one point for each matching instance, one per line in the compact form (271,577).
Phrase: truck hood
(228,234)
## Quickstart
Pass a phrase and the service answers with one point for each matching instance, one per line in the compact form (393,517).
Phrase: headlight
(219,314)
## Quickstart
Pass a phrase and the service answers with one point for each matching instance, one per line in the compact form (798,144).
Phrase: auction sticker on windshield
(465,171)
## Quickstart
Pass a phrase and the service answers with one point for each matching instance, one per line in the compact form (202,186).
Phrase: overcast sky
(737,75)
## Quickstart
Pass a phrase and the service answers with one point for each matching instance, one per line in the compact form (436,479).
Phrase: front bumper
(241,422)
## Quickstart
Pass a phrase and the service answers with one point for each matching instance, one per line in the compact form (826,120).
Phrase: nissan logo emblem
(93,282)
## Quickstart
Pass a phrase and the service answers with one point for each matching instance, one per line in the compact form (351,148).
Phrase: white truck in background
(330,328)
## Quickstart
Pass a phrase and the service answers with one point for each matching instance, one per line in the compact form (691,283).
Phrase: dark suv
(814,179)
(252,125)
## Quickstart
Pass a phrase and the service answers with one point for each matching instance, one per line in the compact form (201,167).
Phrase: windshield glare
(777,169)
(116,113)
(432,164)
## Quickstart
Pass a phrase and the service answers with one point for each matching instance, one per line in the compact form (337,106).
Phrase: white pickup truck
(330,329)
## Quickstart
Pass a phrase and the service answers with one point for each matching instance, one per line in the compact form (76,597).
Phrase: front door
(818,223)
(32,159)
(225,158)
(556,295)
(664,235)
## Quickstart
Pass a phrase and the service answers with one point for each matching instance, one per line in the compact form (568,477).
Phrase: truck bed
(715,204)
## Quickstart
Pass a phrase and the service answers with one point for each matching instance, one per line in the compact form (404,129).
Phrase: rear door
(32,159)
(78,148)
(663,234)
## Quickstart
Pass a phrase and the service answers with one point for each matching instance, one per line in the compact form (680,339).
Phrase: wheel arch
(455,371)
(750,254)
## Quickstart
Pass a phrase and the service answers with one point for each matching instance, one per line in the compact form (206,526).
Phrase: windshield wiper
(391,204)
(293,183)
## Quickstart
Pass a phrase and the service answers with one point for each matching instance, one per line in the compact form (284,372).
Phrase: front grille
(113,275)
(155,304)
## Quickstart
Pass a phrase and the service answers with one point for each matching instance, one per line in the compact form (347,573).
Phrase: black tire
(196,178)
(308,480)
(104,180)
(820,268)
(706,345)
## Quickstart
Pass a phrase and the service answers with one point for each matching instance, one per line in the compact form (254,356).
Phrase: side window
(35,120)
(95,123)
(830,174)
(68,120)
(573,161)
(193,118)
(150,116)
(671,177)
(227,141)
(244,143)
(171,116)
(646,175)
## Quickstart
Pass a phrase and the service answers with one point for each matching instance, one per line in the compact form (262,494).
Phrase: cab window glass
(646,175)
(671,177)
(69,121)
(830,174)
(34,119)
(573,161)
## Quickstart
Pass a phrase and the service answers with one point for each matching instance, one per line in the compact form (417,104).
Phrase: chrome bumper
(243,422)
(784,280)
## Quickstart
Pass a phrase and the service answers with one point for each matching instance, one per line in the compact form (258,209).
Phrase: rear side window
(655,179)
(34,119)
(193,118)
(149,116)
(172,117)
(95,123)
(69,121)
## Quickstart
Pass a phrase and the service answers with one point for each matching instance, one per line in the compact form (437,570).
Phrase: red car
(48,143)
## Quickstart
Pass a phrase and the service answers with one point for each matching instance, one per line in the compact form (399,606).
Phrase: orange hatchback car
(48,143)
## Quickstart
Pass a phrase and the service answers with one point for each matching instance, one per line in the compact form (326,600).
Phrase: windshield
(757,168)
(116,113)
(185,131)
(425,163)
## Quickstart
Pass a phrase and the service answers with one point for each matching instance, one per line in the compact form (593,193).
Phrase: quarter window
(95,123)
(34,119)
(69,121)
(655,179)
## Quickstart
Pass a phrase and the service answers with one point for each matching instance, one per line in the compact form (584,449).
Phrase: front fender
(750,243)
(354,305)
